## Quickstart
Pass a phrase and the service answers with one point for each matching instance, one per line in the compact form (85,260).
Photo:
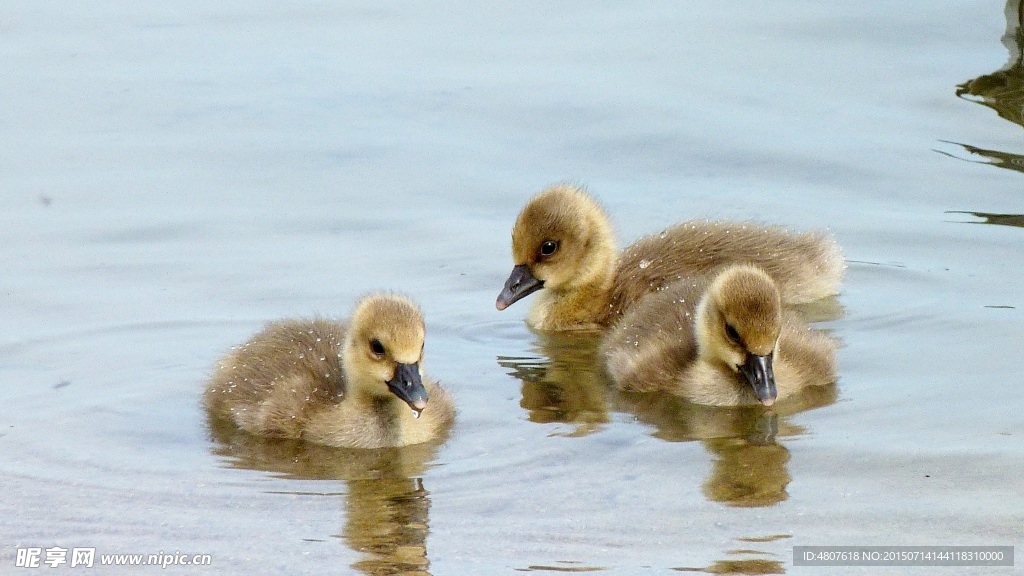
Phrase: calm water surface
(173,176)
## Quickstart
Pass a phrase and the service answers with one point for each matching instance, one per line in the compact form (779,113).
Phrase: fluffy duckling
(724,341)
(355,385)
(563,243)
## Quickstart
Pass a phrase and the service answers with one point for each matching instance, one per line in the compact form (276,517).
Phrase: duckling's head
(738,324)
(383,349)
(562,239)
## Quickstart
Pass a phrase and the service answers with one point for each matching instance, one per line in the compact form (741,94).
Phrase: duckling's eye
(548,247)
(376,347)
(732,333)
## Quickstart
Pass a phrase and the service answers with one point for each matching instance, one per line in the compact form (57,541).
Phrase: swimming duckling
(723,341)
(356,385)
(563,243)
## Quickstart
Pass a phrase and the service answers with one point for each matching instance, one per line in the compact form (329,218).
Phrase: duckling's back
(270,384)
(806,266)
(807,356)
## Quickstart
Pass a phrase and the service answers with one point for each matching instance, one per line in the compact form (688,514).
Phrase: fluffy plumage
(712,339)
(356,385)
(563,246)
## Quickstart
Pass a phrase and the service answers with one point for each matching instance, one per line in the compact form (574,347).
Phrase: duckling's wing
(652,344)
(809,355)
(288,368)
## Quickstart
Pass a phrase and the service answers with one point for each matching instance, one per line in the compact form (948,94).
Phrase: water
(173,176)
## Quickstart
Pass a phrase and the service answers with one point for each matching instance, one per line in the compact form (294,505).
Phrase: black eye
(732,333)
(548,247)
(376,347)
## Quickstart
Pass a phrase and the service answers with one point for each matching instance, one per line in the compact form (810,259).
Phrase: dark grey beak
(520,284)
(761,377)
(408,386)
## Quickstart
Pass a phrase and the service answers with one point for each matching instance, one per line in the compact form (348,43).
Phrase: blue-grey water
(173,175)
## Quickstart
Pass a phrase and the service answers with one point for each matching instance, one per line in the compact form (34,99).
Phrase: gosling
(357,385)
(563,243)
(721,341)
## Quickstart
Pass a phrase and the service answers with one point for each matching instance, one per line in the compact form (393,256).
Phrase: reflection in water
(747,474)
(386,506)
(677,420)
(1003,90)
(745,566)
(568,385)
(994,157)
(771,538)
(750,465)
(564,382)
(754,566)
(387,520)
(564,566)
(998,219)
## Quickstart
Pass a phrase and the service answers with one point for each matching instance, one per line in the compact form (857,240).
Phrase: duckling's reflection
(387,520)
(750,566)
(386,505)
(750,462)
(568,385)
(563,383)
(745,565)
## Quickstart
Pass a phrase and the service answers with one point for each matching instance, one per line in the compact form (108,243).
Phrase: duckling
(723,341)
(563,243)
(357,385)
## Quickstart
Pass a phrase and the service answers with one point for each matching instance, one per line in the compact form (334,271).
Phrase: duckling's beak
(520,283)
(408,386)
(759,373)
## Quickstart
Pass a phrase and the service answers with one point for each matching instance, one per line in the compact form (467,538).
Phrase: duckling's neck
(387,414)
(584,305)
(390,414)
(703,327)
